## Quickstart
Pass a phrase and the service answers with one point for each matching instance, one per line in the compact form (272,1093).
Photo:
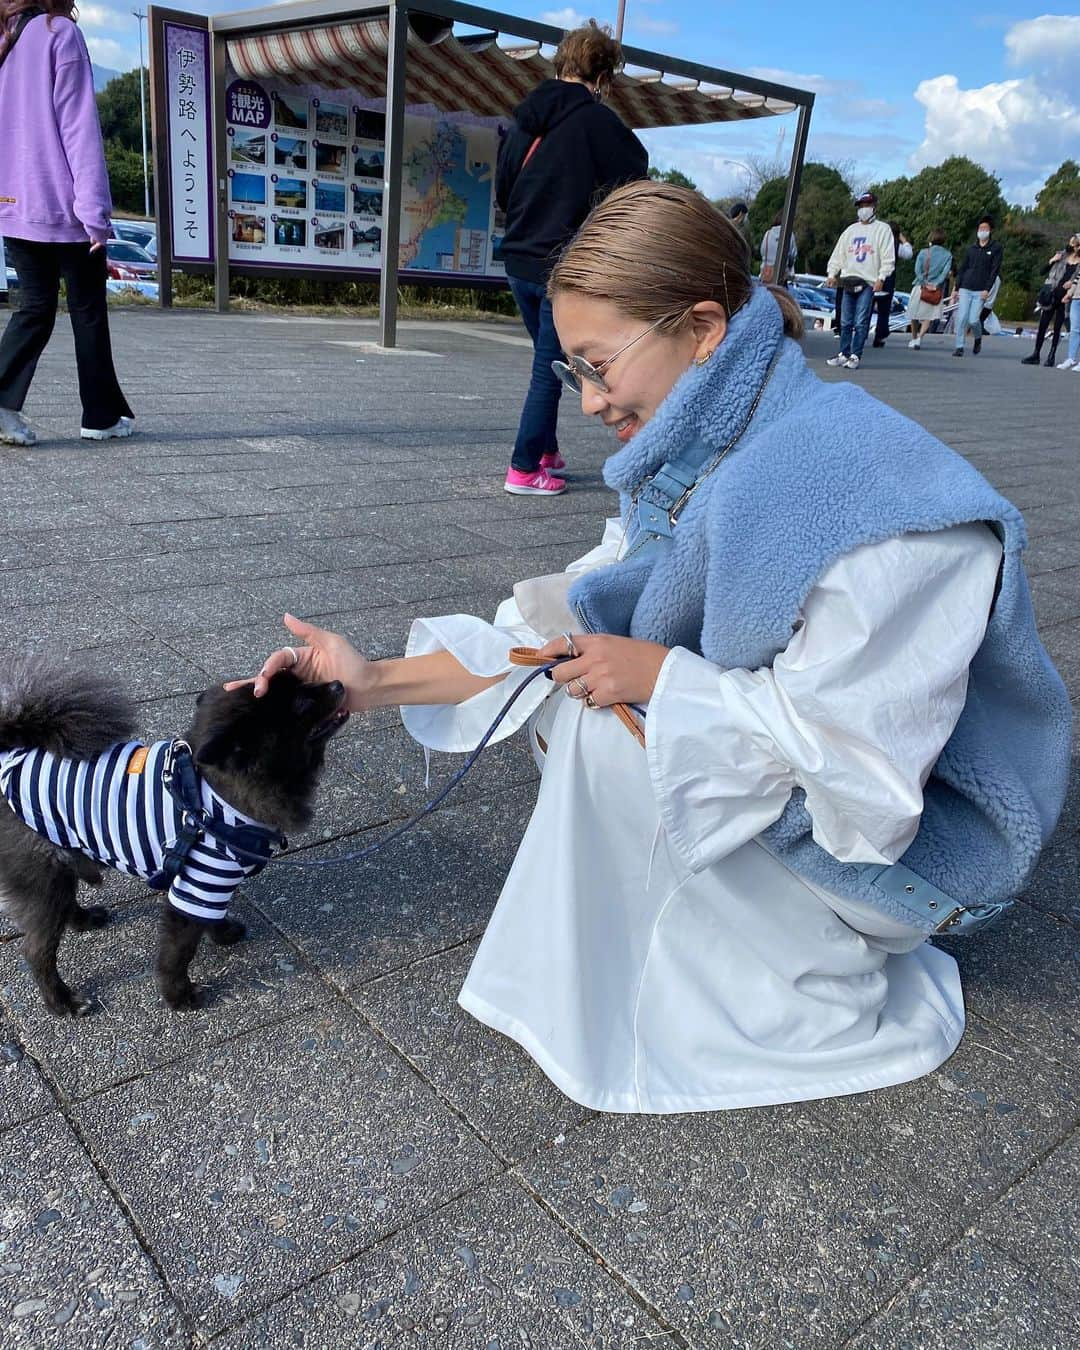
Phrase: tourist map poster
(306,169)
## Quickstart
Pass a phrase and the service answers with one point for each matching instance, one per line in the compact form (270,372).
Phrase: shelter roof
(486,73)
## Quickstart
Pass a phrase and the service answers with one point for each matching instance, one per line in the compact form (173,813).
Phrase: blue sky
(1002,86)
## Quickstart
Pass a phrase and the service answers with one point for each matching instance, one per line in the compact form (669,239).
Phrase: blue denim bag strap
(930,907)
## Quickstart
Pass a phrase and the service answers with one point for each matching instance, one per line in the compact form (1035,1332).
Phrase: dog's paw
(65,1002)
(186,998)
(228,932)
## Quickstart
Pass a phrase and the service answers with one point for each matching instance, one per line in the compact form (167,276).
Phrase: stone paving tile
(72,1272)
(1038,1221)
(975,1298)
(487,1077)
(23,1092)
(358,920)
(146,668)
(1055,887)
(492,1270)
(966,1131)
(1019,975)
(742,1228)
(192,609)
(75,626)
(132,1030)
(277,1157)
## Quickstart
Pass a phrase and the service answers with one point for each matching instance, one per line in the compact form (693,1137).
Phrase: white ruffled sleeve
(482,649)
(855,711)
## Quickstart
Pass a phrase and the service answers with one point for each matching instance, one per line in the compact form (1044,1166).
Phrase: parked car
(143,233)
(132,257)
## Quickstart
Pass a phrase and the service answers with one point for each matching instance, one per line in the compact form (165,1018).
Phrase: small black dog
(77,792)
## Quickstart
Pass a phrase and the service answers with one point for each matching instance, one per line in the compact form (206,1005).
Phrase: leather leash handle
(530,656)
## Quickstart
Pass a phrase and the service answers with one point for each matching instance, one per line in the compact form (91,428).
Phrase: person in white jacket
(862,261)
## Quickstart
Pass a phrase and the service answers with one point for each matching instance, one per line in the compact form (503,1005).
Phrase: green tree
(125,169)
(675,176)
(118,109)
(823,209)
(1059,196)
(952,195)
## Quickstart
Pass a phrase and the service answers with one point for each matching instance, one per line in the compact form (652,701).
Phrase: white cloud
(663,26)
(563,18)
(1015,127)
(1022,128)
(1049,44)
(107,52)
(816,84)
(93,17)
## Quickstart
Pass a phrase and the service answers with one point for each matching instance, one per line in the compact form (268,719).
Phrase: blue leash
(244,855)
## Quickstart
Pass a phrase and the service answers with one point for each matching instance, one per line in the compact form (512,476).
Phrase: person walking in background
(54,210)
(564,152)
(883,301)
(978,272)
(770,242)
(863,259)
(1072,299)
(932,269)
(739,215)
(1060,272)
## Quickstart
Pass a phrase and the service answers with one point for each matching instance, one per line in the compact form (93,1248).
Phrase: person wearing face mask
(883,301)
(564,151)
(932,269)
(864,258)
(978,272)
(1059,274)
(847,734)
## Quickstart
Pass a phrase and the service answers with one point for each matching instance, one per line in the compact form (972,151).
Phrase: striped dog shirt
(117,810)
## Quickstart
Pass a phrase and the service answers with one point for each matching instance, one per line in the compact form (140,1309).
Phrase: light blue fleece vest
(821,470)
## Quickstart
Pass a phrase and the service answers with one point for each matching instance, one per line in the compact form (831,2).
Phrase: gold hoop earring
(703,360)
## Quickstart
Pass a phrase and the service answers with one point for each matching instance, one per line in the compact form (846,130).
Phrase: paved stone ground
(331,1154)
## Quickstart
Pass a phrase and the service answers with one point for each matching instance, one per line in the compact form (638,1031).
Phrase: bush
(1015,303)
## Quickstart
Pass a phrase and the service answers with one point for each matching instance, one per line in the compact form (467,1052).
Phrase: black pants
(39,268)
(1056,315)
(883,309)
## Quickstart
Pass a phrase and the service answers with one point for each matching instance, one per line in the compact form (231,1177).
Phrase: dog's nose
(336,688)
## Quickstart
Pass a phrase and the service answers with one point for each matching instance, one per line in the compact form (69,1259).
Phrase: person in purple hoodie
(54,212)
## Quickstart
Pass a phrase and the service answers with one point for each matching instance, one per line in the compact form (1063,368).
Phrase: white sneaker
(14,428)
(1076,368)
(853,363)
(1066,364)
(838,360)
(915,344)
(116,432)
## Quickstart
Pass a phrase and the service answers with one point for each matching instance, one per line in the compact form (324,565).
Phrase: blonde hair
(588,53)
(654,250)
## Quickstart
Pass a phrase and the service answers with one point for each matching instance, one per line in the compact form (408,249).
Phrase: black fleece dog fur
(263,756)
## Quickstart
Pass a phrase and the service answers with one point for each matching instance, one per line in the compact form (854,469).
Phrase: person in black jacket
(564,153)
(978,272)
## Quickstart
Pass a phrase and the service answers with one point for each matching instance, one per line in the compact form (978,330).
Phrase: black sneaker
(880,344)
(1032,360)
(958,351)
(1051,360)
(976,347)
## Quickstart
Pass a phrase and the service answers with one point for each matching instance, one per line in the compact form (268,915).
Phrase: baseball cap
(867,199)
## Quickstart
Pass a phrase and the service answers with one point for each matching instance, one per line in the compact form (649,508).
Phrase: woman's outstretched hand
(324,656)
(611,669)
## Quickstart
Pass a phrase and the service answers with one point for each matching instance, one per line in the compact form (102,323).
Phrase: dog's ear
(223,749)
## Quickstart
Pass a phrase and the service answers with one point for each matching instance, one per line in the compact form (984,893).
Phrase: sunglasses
(575,368)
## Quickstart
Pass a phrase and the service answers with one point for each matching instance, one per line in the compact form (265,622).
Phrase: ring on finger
(579,684)
(293,653)
(571,650)
(590,702)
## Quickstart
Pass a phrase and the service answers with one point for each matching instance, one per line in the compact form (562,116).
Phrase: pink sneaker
(552,461)
(538,484)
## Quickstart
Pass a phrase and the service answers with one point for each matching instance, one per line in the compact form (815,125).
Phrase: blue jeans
(855,308)
(1074,330)
(536,430)
(967,315)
